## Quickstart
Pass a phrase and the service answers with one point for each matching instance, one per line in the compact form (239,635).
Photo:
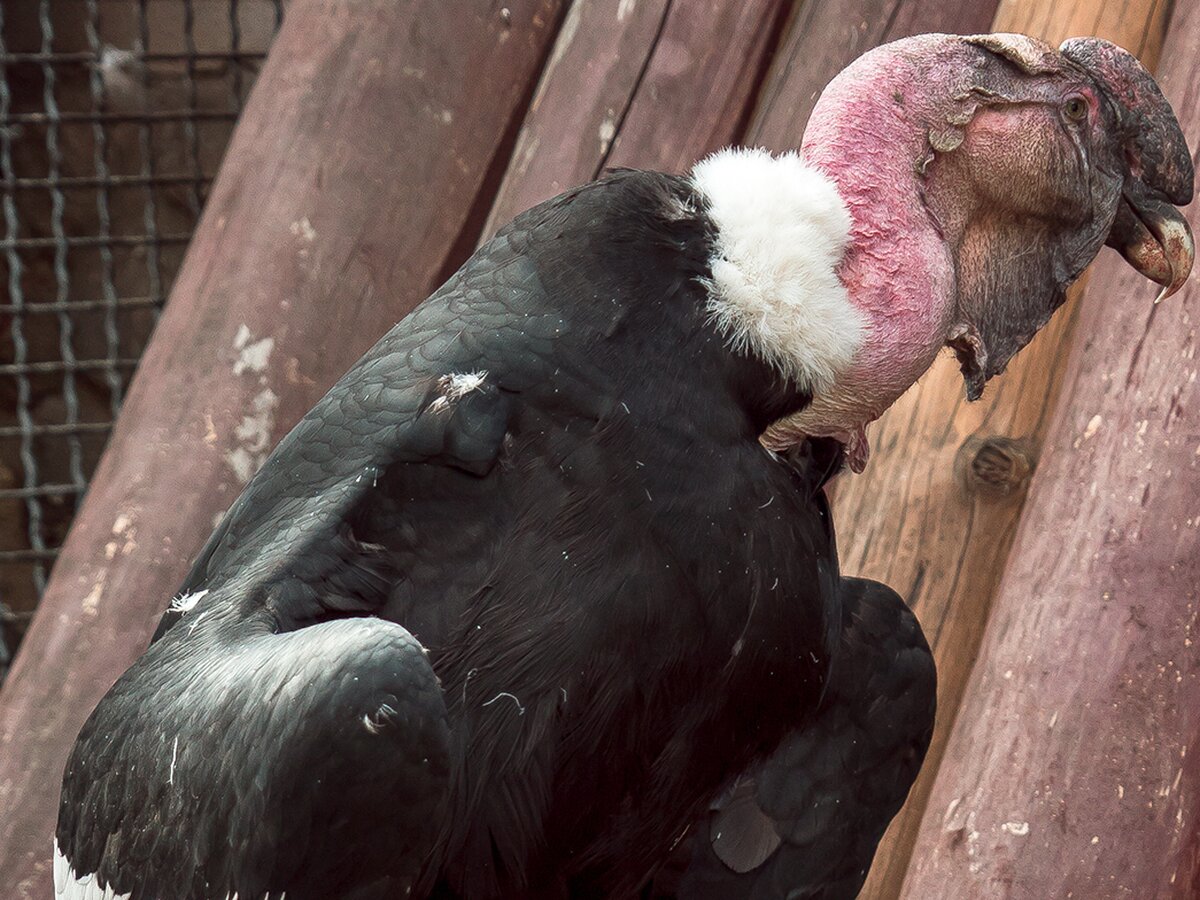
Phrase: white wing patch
(69,886)
(456,386)
(782,228)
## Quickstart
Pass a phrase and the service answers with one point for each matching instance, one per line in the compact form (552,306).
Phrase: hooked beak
(1154,238)
(1149,231)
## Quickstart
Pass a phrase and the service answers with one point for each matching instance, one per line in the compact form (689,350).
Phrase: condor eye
(1075,109)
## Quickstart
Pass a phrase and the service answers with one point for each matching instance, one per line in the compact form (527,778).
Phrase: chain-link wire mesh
(114,115)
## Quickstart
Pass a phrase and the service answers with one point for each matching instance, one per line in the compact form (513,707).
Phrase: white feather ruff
(782,228)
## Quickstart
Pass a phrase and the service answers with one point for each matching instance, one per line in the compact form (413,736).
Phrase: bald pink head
(982,175)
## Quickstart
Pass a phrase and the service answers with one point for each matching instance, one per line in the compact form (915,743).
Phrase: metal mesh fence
(114,115)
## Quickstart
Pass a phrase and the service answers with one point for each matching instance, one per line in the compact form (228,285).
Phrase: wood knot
(995,466)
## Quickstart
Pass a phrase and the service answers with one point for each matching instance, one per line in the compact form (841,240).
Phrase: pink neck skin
(897,269)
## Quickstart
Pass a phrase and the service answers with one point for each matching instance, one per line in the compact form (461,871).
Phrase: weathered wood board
(650,84)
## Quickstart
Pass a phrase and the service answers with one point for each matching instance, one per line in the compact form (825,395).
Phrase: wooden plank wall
(382,139)
(653,84)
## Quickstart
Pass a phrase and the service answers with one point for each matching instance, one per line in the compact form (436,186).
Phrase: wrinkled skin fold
(1117,167)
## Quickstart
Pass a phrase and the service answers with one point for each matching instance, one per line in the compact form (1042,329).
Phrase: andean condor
(525,600)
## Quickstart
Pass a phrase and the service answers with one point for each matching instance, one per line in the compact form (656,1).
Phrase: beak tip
(1181,266)
(1159,245)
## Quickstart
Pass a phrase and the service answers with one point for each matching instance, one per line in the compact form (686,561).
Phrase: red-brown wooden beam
(654,85)
(1074,767)
(363,149)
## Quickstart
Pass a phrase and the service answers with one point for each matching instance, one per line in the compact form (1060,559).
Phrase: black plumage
(804,825)
(549,475)
(265,749)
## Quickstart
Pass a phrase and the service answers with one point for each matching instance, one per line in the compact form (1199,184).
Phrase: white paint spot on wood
(948,819)
(253,355)
(526,153)
(91,603)
(1017,829)
(303,229)
(960,821)
(566,36)
(242,463)
(210,430)
(253,436)
(974,865)
(608,131)
(124,537)
(1093,426)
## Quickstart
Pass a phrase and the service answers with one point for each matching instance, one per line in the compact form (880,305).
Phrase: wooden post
(652,85)
(935,513)
(1072,770)
(363,149)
